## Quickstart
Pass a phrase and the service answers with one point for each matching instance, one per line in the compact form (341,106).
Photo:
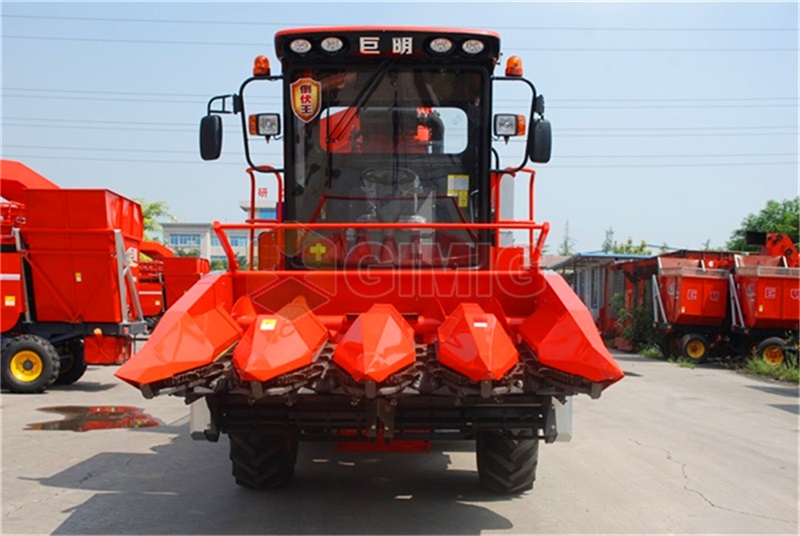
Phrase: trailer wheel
(669,345)
(263,461)
(749,347)
(74,366)
(771,350)
(30,364)
(506,462)
(695,347)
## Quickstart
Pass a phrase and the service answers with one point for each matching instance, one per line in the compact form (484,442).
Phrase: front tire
(30,364)
(261,460)
(506,461)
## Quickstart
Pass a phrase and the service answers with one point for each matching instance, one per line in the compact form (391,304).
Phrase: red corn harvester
(68,269)
(384,304)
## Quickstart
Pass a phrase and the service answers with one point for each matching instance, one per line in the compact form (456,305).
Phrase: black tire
(263,461)
(73,366)
(30,364)
(694,347)
(669,345)
(506,462)
(772,351)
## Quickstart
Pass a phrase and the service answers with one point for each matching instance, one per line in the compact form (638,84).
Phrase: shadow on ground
(185,487)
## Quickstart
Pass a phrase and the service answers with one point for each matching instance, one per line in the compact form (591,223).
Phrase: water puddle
(86,418)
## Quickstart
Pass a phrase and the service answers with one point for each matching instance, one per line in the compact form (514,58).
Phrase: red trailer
(690,305)
(69,265)
(164,278)
(765,304)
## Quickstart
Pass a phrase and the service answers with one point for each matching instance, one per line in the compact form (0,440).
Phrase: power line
(235,130)
(269,100)
(550,101)
(549,166)
(744,128)
(306,24)
(106,92)
(533,49)
(169,151)
(124,160)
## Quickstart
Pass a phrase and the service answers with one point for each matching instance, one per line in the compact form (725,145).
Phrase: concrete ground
(667,450)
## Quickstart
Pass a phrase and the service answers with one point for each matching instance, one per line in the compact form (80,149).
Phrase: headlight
(331,44)
(441,45)
(265,124)
(300,46)
(472,46)
(509,125)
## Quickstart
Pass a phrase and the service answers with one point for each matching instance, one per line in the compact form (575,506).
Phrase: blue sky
(671,121)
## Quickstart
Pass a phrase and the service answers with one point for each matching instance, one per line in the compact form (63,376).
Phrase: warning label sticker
(458,187)
(268,324)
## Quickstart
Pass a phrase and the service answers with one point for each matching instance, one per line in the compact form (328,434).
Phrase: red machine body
(767,293)
(720,302)
(691,294)
(164,278)
(69,266)
(74,252)
(381,305)
(765,298)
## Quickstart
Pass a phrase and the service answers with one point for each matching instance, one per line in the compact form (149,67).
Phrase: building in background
(200,237)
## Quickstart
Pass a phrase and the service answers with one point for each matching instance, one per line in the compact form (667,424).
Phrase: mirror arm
(223,109)
(532,115)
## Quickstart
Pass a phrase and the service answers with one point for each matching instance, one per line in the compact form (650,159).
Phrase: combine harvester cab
(386,305)
(69,269)
(690,306)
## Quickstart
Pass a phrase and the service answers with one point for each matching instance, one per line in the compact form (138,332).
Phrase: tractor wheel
(694,347)
(669,345)
(74,366)
(772,351)
(263,461)
(506,462)
(30,364)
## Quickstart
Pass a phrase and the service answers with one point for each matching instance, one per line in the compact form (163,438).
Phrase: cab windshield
(389,144)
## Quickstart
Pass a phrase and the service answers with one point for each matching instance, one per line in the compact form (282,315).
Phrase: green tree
(776,217)
(567,245)
(612,246)
(630,248)
(218,264)
(608,243)
(152,212)
(194,252)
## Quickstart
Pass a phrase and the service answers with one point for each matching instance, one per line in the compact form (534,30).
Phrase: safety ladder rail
(658,305)
(126,280)
(233,263)
(737,317)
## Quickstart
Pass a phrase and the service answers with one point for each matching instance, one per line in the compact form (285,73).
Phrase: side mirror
(540,141)
(210,137)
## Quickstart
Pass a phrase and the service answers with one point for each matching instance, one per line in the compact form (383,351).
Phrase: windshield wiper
(361,98)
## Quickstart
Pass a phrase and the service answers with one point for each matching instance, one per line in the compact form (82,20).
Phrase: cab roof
(381,42)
